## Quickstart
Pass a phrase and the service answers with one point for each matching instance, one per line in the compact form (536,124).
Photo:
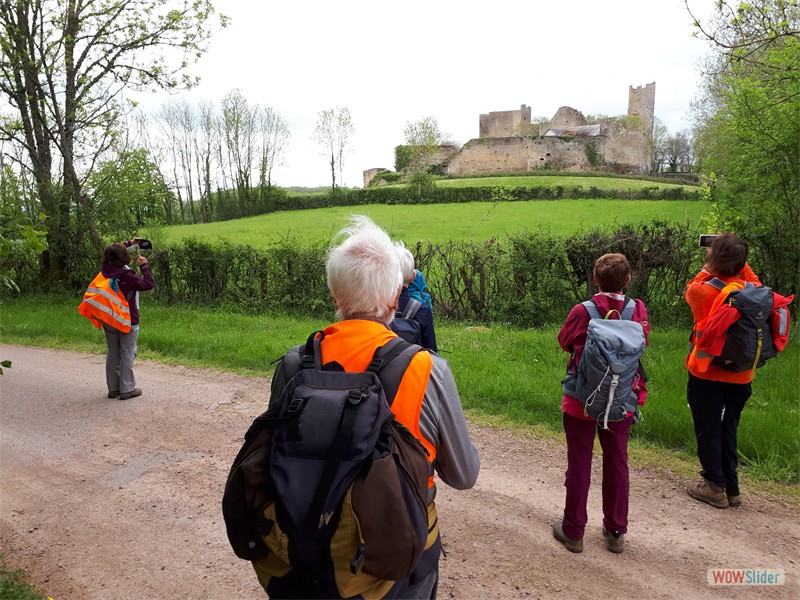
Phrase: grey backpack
(404,323)
(603,382)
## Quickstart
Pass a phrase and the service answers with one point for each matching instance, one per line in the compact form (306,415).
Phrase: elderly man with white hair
(365,281)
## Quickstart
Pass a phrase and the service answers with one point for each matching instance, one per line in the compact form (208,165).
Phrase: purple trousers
(616,485)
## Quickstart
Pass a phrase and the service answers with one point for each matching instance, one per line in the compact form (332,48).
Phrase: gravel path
(121,499)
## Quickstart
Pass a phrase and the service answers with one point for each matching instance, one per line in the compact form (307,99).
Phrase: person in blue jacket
(424,315)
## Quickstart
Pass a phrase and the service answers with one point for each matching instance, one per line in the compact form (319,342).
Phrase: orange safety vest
(352,344)
(104,303)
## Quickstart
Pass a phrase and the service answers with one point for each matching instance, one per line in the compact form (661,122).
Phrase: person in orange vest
(365,281)
(121,347)
(717,397)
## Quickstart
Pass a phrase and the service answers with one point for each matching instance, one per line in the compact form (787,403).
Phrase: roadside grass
(503,374)
(14,584)
(437,222)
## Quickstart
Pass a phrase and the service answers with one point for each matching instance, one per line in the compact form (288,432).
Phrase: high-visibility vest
(104,302)
(352,343)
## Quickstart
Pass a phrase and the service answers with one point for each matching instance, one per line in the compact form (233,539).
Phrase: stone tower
(642,103)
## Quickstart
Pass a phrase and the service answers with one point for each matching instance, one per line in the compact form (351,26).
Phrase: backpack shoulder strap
(628,309)
(312,354)
(390,362)
(591,308)
(412,308)
(716,282)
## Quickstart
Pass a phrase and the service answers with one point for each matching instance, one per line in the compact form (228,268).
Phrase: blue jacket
(418,289)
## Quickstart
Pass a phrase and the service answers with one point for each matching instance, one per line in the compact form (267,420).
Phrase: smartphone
(145,245)
(706,240)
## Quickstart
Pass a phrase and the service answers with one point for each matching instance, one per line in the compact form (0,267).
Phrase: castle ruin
(509,142)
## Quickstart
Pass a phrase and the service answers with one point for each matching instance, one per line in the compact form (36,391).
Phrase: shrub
(526,280)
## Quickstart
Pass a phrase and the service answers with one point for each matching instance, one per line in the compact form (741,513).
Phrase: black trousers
(716,408)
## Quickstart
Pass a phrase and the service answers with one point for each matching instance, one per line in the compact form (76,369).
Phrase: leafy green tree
(129,193)
(22,234)
(422,140)
(64,65)
(748,129)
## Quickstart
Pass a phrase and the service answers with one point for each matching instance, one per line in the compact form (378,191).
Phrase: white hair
(363,271)
(406,262)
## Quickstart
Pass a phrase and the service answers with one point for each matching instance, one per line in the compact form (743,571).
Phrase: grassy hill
(439,222)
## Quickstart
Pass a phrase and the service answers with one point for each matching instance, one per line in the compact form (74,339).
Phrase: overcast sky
(391,63)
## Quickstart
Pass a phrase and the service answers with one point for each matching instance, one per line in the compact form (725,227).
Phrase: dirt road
(121,499)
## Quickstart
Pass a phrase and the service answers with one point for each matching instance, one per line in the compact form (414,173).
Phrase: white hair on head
(364,271)
(406,262)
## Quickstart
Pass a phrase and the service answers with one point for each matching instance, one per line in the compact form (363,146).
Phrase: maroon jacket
(572,339)
(130,284)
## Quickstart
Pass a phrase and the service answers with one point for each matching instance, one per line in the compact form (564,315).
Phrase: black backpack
(749,342)
(404,323)
(327,480)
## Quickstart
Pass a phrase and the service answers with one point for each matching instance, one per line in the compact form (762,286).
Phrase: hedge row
(443,195)
(528,280)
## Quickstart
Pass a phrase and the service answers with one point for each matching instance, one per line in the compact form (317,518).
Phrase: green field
(439,222)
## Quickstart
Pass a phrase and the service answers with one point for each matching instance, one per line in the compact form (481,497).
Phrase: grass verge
(503,374)
(14,584)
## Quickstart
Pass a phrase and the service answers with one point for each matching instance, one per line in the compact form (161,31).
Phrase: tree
(178,123)
(333,132)
(748,127)
(422,139)
(22,234)
(677,155)
(658,145)
(64,65)
(273,143)
(136,178)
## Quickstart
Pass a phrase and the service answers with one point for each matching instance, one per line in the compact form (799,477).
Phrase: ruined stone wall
(627,152)
(517,155)
(370,173)
(505,123)
(628,149)
(440,155)
(565,118)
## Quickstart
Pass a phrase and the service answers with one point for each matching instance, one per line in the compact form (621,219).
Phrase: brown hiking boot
(132,394)
(734,501)
(570,544)
(615,540)
(705,491)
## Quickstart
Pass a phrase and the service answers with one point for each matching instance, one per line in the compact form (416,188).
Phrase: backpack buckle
(294,406)
(355,397)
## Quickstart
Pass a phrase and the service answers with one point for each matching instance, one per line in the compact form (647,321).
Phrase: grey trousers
(119,358)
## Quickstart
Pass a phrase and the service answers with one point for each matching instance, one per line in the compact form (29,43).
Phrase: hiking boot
(114,394)
(569,543)
(734,501)
(132,394)
(705,491)
(615,540)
